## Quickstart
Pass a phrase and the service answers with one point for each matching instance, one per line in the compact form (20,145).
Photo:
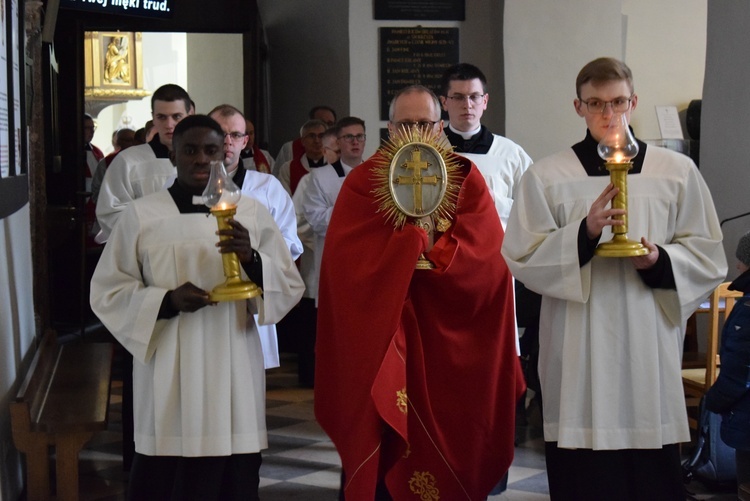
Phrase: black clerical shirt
(478,143)
(184,202)
(658,276)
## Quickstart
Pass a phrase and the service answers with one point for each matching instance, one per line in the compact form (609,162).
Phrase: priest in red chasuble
(417,373)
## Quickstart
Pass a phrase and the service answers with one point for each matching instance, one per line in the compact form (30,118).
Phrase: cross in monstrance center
(417,165)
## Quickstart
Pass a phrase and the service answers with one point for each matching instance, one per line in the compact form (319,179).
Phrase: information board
(433,10)
(414,56)
(141,8)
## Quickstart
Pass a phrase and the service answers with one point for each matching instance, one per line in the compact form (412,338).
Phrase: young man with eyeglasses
(267,190)
(416,370)
(611,328)
(320,191)
(501,161)
(263,187)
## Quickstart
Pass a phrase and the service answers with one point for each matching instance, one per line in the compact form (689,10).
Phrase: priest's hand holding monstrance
(417,182)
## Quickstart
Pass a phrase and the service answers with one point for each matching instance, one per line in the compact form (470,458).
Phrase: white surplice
(134,173)
(267,190)
(317,200)
(198,377)
(610,346)
(502,168)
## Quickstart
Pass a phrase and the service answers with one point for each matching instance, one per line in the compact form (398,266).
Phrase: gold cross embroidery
(417,165)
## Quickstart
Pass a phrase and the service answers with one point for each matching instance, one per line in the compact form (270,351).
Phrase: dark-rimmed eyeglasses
(234,136)
(349,138)
(460,98)
(618,105)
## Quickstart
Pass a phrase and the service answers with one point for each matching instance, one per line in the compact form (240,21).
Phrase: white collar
(465,135)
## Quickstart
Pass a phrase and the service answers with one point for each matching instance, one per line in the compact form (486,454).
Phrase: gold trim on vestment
(423,484)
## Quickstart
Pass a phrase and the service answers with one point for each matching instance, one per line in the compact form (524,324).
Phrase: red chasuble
(417,374)
(261,162)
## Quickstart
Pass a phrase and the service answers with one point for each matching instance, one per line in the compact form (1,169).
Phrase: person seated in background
(730,393)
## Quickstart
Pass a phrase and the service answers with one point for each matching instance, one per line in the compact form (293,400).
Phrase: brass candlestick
(620,245)
(617,148)
(222,195)
(234,288)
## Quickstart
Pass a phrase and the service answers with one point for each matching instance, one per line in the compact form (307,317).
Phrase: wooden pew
(62,402)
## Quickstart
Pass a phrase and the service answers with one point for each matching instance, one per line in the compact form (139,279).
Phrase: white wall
(214,70)
(725,126)
(207,65)
(17,331)
(547,43)
(165,60)
(364,58)
(308,61)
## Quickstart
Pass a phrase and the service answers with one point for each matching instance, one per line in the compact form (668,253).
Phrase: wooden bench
(62,402)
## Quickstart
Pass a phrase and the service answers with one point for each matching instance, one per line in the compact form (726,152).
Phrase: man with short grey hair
(292,171)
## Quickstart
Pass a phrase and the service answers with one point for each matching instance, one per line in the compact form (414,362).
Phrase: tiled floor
(301,463)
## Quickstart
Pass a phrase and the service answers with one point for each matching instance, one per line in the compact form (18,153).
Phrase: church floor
(301,463)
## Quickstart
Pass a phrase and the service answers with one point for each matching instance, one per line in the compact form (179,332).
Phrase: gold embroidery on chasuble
(423,484)
(401,400)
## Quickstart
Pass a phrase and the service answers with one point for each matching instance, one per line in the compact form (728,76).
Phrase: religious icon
(116,65)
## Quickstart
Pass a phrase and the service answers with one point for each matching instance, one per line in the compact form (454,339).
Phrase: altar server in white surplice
(267,190)
(501,161)
(146,168)
(611,329)
(198,366)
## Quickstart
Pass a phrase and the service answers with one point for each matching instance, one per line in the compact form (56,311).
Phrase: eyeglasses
(460,98)
(422,124)
(349,138)
(618,105)
(314,136)
(234,136)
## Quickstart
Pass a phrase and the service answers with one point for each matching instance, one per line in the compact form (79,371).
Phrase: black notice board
(414,10)
(414,56)
(139,8)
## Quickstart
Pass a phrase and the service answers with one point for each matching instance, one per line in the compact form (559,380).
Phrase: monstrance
(416,181)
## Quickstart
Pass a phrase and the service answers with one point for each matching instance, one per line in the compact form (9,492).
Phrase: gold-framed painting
(113,65)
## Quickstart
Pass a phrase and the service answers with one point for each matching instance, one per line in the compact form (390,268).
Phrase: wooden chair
(697,380)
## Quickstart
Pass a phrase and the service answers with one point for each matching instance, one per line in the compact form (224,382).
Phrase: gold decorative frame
(113,66)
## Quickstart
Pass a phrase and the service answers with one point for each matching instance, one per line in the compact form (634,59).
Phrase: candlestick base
(621,246)
(234,289)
